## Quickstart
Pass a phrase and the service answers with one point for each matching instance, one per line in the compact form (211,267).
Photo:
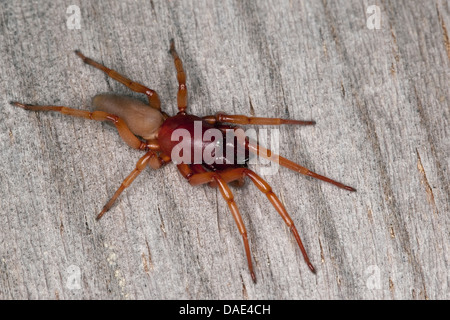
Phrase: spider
(147,128)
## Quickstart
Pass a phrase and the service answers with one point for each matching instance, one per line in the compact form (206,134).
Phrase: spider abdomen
(141,119)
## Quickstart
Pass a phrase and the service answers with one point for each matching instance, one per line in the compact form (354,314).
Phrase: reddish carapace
(147,128)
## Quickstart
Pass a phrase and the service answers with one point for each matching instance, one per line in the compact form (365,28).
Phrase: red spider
(150,130)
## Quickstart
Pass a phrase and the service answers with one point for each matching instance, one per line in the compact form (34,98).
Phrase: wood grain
(380,98)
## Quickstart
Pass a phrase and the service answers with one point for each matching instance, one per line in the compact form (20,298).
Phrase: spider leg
(208,177)
(150,158)
(153,98)
(198,168)
(182,94)
(264,187)
(122,128)
(243,120)
(268,154)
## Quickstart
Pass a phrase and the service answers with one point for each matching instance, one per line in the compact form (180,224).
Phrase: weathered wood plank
(381,101)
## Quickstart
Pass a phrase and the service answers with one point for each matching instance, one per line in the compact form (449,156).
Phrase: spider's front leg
(265,153)
(244,120)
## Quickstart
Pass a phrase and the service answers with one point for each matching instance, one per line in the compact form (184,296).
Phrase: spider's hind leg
(124,132)
(153,98)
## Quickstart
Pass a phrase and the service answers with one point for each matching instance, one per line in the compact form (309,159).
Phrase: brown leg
(140,165)
(153,98)
(161,158)
(165,158)
(263,186)
(240,119)
(198,168)
(181,77)
(207,177)
(266,153)
(122,128)
(255,148)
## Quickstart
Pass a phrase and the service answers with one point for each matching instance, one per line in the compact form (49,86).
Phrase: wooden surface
(381,101)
